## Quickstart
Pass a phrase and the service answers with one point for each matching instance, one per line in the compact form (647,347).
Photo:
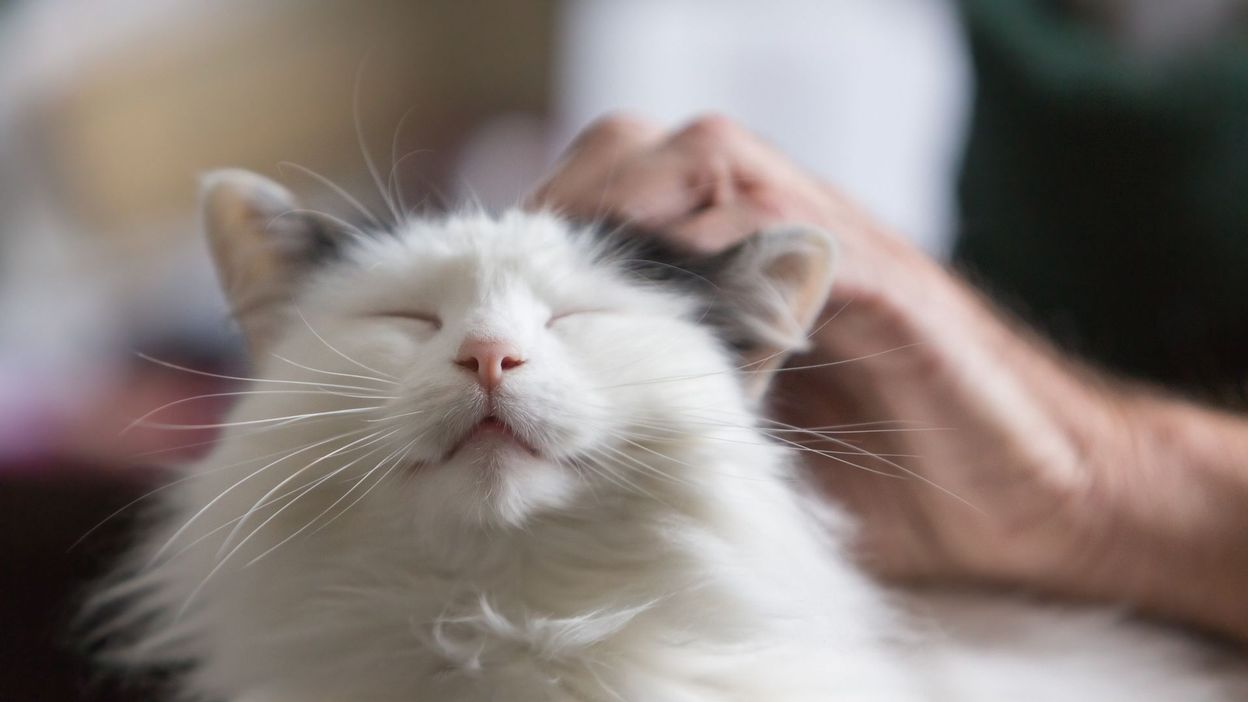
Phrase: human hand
(990,456)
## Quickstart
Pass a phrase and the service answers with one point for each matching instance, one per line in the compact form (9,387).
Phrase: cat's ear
(262,244)
(771,290)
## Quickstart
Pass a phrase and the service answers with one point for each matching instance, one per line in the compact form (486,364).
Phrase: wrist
(1162,525)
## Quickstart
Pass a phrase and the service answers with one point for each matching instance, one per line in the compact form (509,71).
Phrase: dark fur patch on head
(653,258)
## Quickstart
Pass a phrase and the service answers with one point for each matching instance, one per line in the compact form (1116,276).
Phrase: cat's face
(489,369)
(520,365)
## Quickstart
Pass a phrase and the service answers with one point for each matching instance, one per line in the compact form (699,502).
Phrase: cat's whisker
(863,452)
(347,227)
(339,190)
(627,437)
(393,184)
(871,423)
(237,434)
(572,465)
(843,432)
(833,457)
(397,461)
(298,491)
(363,145)
(366,440)
(830,454)
(652,470)
(198,475)
(266,420)
(709,374)
(223,560)
(651,451)
(809,335)
(825,436)
(857,452)
(326,372)
(397,452)
(235,393)
(331,347)
(603,472)
(389,417)
(834,429)
(841,362)
(838,429)
(221,495)
(219,376)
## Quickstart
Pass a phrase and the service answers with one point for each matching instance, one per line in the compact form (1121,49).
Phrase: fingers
(586,178)
(715,229)
(707,185)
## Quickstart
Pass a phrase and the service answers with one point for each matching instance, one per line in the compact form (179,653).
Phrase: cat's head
(486,370)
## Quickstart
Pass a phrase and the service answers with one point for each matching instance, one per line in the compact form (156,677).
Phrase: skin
(1023,468)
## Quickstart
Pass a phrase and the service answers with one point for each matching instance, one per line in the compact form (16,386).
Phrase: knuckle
(617,126)
(711,128)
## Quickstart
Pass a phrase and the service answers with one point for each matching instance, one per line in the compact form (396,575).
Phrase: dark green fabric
(1105,198)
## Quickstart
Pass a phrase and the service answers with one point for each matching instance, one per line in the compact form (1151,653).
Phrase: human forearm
(1072,483)
(1172,512)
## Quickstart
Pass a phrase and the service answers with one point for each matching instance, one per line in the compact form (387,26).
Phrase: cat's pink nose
(489,359)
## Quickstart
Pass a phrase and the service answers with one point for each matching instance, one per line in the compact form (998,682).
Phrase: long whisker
(335,350)
(238,434)
(360,140)
(237,393)
(762,442)
(841,362)
(389,417)
(394,184)
(367,440)
(317,517)
(836,455)
(195,371)
(221,495)
(347,227)
(646,466)
(695,376)
(344,375)
(618,479)
(878,457)
(397,460)
(809,335)
(298,492)
(341,192)
(266,420)
(174,483)
(802,447)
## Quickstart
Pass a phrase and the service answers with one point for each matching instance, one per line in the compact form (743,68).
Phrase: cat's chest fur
(705,600)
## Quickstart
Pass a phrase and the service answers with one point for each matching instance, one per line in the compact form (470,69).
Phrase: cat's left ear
(263,245)
(770,291)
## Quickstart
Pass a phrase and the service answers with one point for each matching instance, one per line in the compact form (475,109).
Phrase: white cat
(489,461)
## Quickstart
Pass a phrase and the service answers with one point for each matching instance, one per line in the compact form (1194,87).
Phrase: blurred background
(1086,161)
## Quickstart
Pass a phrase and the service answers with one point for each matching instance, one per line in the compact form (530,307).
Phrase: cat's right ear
(262,244)
(770,290)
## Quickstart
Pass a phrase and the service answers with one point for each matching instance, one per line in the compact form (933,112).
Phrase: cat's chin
(489,444)
(494,482)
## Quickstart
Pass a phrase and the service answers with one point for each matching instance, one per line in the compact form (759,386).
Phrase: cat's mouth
(491,432)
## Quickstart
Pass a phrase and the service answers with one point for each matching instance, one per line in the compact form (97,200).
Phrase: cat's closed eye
(559,316)
(431,320)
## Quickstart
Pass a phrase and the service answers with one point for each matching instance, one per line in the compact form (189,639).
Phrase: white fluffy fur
(661,550)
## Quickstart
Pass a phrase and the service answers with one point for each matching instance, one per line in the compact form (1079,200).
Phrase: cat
(502,458)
